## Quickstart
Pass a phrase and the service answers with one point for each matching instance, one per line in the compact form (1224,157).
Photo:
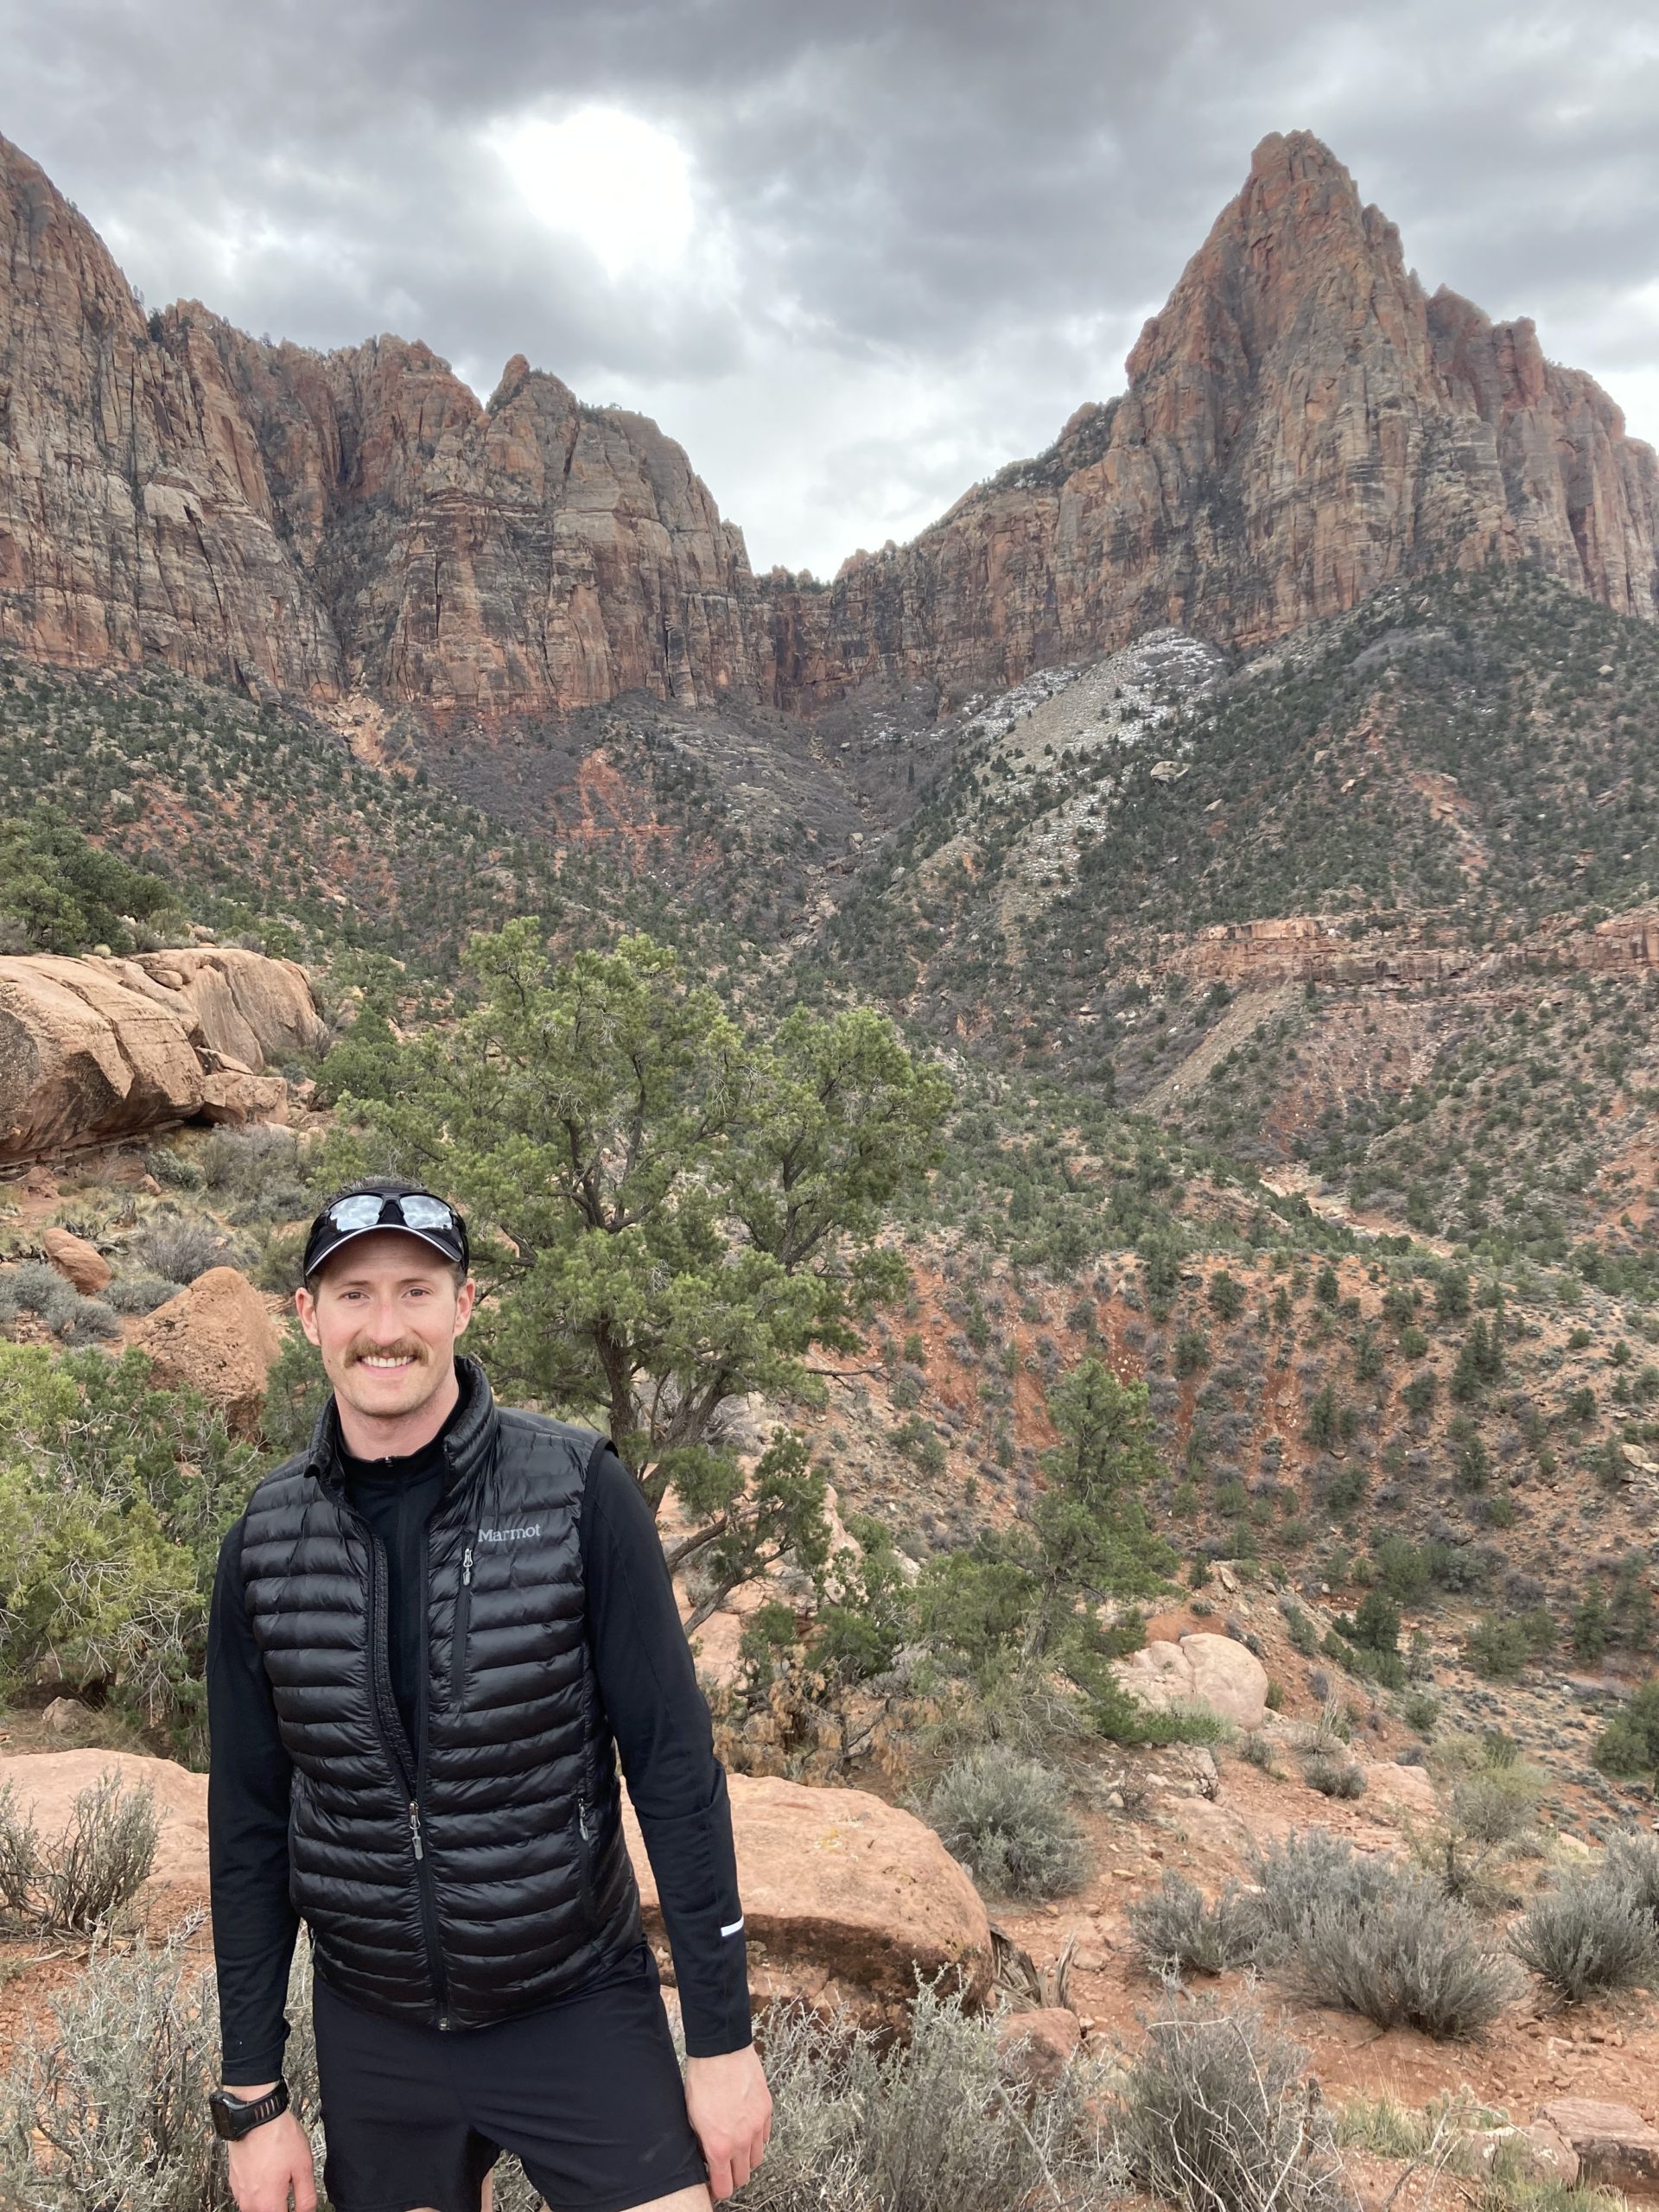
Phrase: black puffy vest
(479,1872)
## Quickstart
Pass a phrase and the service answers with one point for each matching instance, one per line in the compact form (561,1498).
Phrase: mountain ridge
(1302,423)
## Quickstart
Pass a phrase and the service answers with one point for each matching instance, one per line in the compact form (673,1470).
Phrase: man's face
(385,1317)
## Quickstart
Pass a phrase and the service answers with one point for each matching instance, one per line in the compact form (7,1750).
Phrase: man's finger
(719,2178)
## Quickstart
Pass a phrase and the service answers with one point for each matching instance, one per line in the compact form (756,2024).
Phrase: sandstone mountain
(1301,423)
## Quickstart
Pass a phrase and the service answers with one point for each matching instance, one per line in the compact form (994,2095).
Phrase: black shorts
(586,2093)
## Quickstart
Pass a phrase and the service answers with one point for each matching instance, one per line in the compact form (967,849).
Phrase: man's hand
(730,2110)
(272,2161)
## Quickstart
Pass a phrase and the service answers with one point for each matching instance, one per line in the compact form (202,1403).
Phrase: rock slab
(1614,2145)
(846,1900)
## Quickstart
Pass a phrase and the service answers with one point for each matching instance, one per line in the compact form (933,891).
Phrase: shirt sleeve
(248,1779)
(660,1720)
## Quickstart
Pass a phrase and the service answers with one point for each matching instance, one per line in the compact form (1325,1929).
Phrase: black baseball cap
(367,1207)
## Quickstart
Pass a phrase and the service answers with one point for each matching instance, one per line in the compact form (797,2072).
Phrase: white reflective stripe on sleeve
(736,1928)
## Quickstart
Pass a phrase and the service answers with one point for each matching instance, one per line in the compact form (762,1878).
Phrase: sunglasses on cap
(433,1220)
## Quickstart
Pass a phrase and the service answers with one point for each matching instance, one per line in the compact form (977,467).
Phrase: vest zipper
(397,1744)
(463,1623)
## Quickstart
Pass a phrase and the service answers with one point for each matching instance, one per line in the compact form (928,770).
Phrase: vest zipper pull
(466,1566)
(415,1828)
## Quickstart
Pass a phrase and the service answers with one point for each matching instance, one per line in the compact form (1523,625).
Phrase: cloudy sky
(855,255)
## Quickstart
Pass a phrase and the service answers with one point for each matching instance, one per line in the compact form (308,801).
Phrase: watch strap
(235,2117)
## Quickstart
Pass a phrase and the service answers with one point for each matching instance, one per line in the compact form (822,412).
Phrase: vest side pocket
(587,1829)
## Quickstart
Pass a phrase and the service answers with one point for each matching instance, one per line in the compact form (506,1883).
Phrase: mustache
(360,1352)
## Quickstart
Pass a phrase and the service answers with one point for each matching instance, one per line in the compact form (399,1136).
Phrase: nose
(386,1325)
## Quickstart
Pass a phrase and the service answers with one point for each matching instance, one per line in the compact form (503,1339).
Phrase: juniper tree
(673,1212)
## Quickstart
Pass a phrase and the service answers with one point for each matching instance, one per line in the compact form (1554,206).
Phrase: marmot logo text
(508,1536)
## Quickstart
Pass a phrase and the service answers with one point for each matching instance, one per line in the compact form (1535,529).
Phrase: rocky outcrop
(248,1010)
(1301,423)
(1211,1671)
(530,555)
(84,1059)
(93,1051)
(217,1338)
(845,1899)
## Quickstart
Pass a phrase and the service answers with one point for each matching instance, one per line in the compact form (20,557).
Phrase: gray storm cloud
(886,248)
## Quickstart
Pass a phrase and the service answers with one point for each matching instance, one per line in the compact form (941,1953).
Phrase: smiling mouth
(386,1363)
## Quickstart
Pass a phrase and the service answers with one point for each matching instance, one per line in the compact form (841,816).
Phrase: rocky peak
(1300,425)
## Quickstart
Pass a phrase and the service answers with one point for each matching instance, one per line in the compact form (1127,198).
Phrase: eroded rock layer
(1301,422)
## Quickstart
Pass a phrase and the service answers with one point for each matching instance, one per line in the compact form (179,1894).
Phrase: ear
(466,1299)
(306,1306)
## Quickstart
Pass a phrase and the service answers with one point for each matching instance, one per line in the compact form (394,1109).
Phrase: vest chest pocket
(463,1622)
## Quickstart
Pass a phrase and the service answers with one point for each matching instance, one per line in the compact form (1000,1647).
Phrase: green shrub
(1174,1931)
(1307,1869)
(260,1172)
(1370,1935)
(1500,1646)
(1334,1777)
(61,893)
(1588,1935)
(36,1288)
(113,1497)
(180,1247)
(1630,1743)
(1214,2118)
(140,1293)
(1415,1959)
(172,1170)
(1631,1864)
(101,2105)
(103,1857)
(1007,1819)
(924,2122)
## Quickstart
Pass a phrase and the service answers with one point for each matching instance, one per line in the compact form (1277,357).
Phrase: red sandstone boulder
(217,1338)
(248,1009)
(48,1783)
(77,1261)
(235,1098)
(846,1900)
(98,1050)
(83,1059)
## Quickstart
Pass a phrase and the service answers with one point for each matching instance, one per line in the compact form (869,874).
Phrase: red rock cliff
(1301,423)
(135,522)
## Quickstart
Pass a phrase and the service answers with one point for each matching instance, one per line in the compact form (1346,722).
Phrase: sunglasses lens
(362,1212)
(426,1213)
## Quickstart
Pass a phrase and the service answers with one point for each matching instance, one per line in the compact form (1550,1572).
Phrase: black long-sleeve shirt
(657,1712)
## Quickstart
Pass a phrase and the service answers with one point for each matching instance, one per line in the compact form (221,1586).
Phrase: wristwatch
(235,2117)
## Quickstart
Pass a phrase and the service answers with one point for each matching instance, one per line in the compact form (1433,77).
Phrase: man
(432,1634)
